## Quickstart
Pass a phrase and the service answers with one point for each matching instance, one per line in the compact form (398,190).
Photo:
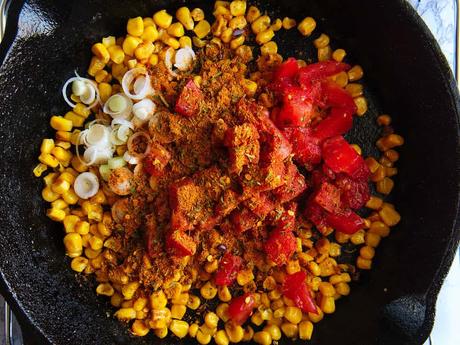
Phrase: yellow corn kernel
(367,252)
(60,186)
(117,55)
(73,244)
(108,41)
(116,299)
(95,66)
(354,89)
(274,295)
(390,141)
(257,319)
(95,242)
(202,336)
(158,300)
(385,186)
(47,146)
(327,304)
(180,298)
(224,293)
(343,289)
(305,330)
(69,223)
(81,110)
(103,229)
(78,165)
(277,25)
(140,303)
(49,195)
(92,210)
(130,44)
(324,54)
(197,14)
(289,329)
(179,328)
(384,120)
(148,22)
(361,105)
(102,75)
(185,41)
(59,204)
(222,312)
(211,320)
(193,302)
(202,29)
(125,314)
(178,311)
(314,268)
(363,264)
(184,16)
(63,136)
(56,214)
(372,239)
(339,54)
(139,328)
(101,52)
(244,277)
(208,291)
(226,35)
(234,332)
(248,334)
(99,197)
(39,169)
(253,14)
(326,289)
(128,290)
(79,263)
(144,50)
(221,338)
(374,203)
(170,41)
(105,289)
(355,73)
(197,42)
(193,330)
(150,34)
(153,60)
(60,124)
(238,8)
(61,154)
(91,253)
(237,42)
(212,266)
(261,24)
(238,23)
(288,23)
(269,48)
(357,237)
(163,19)
(135,26)
(176,30)
(389,215)
(161,332)
(379,228)
(263,338)
(274,331)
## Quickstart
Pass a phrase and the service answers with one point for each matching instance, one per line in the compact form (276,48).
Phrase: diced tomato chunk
(286,220)
(240,308)
(340,156)
(280,245)
(156,160)
(228,269)
(297,108)
(275,145)
(261,204)
(355,193)
(315,213)
(319,71)
(305,146)
(347,221)
(188,102)
(178,243)
(328,197)
(243,146)
(294,186)
(243,220)
(284,75)
(296,289)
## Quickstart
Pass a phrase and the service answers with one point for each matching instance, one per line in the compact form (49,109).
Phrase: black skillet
(407,77)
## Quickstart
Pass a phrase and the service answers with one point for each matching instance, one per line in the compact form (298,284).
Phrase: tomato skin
(178,243)
(284,75)
(280,245)
(347,221)
(328,197)
(319,71)
(305,146)
(295,288)
(188,102)
(240,308)
(355,193)
(297,108)
(228,269)
(340,156)
(156,160)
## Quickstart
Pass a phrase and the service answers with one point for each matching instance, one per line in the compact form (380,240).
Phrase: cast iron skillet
(405,71)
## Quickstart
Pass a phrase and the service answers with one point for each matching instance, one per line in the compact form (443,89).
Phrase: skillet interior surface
(406,76)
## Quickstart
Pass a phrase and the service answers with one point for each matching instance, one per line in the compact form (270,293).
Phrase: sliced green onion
(116,162)
(104,170)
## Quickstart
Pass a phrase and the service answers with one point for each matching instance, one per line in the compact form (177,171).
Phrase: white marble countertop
(440,16)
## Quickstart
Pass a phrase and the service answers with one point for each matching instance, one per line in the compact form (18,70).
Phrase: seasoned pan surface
(406,76)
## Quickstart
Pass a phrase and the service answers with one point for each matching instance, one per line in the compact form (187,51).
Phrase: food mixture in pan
(204,180)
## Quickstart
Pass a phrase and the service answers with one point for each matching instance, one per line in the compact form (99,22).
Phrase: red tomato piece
(286,220)
(355,194)
(340,156)
(305,146)
(294,186)
(188,102)
(328,197)
(280,246)
(240,308)
(243,220)
(156,160)
(275,145)
(228,269)
(315,213)
(346,221)
(296,289)
(297,108)
(261,204)
(178,243)
(284,75)
(320,71)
